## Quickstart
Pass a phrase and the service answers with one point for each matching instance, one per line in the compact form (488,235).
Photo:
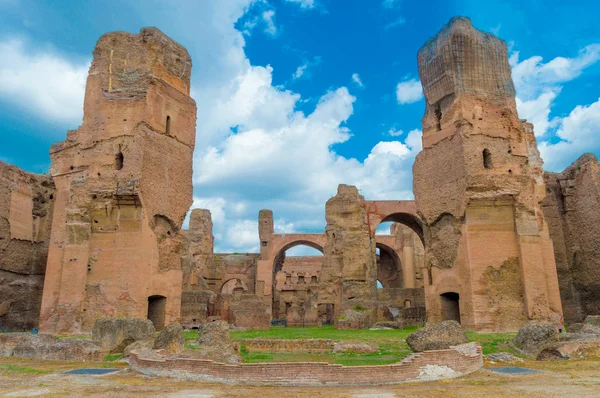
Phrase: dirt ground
(24,377)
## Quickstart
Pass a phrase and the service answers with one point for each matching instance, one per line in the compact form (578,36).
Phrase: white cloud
(242,237)
(254,149)
(300,71)
(303,3)
(579,133)
(390,3)
(356,79)
(538,83)
(305,70)
(394,23)
(269,19)
(395,133)
(409,91)
(42,82)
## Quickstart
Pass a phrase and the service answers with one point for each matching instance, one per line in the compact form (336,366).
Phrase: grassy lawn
(392,344)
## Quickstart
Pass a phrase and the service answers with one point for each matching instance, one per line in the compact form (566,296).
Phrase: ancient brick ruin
(572,209)
(102,233)
(123,186)
(26,205)
(478,184)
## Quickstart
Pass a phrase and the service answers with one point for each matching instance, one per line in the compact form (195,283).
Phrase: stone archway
(389,267)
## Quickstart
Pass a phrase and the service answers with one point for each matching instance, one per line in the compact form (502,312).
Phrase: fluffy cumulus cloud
(538,83)
(579,132)
(560,139)
(409,91)
(254,148)
(42,81)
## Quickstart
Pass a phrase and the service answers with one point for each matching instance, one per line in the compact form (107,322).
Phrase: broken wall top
(125,58)
(461,59)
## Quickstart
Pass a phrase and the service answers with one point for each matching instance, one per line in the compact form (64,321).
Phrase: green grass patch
(391,342)
(21,369)
(493,342)
(112,357)
(325,332)
(392,345)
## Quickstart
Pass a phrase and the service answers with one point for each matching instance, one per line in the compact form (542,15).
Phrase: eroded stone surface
(123,186)
(26,205)
(114,334)
(478,184)
(170,339)
(572,208)
(533,336)
(437,336)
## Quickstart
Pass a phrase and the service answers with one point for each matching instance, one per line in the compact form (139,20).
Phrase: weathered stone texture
(572,208)
(26,206)
(214,342)
(437,336)
(349,273)
(124,185)
(478,186)
(114,334)
(535,335)
(170,339)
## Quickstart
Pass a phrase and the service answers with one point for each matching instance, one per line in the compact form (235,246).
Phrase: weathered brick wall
(428,365)
(26,205)
(572,209)
(281,345)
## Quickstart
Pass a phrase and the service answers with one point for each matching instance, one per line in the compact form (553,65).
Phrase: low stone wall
(281,345)
(424,366)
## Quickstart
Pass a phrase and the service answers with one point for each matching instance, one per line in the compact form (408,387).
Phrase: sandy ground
(24,377)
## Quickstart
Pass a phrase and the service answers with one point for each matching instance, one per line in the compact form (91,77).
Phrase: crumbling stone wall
(296,290)
(197,301)
(572,208)
(349,273)
(478,185)
(123,187)
(26,205)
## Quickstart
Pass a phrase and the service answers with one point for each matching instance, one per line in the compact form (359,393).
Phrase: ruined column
(349,273)
(265,277)
(478,186)
(124,185)
(196,298)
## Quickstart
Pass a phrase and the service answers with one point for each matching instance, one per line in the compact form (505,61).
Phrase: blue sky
(297,96)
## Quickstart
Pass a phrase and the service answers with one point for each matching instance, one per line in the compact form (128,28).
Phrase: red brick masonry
(424,366)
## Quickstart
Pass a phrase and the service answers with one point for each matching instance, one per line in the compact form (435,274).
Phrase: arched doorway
(389,267)
(156,311)
(233,285)
(401,235)
(450,303)
(296,270)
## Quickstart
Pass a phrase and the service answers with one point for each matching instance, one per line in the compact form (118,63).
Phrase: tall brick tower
(124,185)
(478,185)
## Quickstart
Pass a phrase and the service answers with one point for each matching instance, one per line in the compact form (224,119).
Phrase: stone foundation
(425,366)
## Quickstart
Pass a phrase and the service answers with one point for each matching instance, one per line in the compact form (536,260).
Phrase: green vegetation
(392,344)
(493,342)
(8,368)
(112,357)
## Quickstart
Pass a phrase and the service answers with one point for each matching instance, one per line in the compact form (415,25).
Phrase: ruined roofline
(165,49)
(456,23)
(19,169)
(582,160)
